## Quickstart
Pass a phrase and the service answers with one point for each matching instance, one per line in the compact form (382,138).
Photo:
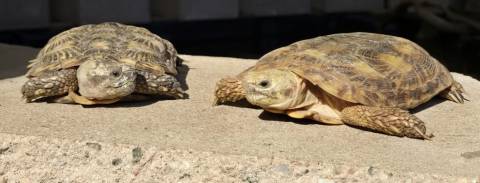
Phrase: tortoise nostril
(264,83)
(115,73)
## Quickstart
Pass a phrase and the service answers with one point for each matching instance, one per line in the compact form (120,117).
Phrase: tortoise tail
(455,93)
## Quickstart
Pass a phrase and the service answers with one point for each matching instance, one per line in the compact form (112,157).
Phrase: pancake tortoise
(359,79)
(104,63)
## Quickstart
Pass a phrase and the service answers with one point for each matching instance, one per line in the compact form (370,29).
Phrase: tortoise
(364,80)
(102,64)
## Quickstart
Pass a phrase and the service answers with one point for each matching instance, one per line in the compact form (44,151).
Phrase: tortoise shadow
(127,104)
(183,70)
(240,104)
(146,100)
(434,101)
(268,116)
(380,133)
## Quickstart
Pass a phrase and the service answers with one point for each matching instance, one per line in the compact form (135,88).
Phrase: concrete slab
(46,159)
(194,124)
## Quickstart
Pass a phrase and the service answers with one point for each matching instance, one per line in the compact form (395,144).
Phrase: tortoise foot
(392,121)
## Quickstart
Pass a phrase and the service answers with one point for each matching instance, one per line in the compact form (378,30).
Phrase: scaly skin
(50,84)
(388,120)
(228,89)
(64,84)
(151,84)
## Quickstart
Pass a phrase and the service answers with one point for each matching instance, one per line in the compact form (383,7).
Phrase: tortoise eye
(264,83)
(115,73)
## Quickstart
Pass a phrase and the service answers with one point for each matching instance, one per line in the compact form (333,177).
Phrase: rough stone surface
(196,141)
(41,159)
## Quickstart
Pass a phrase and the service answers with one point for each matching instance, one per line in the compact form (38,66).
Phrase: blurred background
(448,29)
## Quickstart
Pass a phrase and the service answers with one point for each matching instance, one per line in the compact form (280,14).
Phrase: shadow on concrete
(377,132)
(128,104)
(144,101)
(268,116)
(241,104)
(182,76)
(434,101)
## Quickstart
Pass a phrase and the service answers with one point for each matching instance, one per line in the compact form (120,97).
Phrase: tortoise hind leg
(51,84)
(392,121)
(455,93)
(151,84)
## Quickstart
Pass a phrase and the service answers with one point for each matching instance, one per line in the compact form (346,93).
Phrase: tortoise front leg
(50,84)
(228,90)
(392,121)
(151,84)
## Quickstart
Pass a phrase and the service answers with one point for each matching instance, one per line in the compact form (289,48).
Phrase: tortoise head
(274,89)
(105,78)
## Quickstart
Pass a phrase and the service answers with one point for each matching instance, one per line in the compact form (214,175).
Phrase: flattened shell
(366,68)
(131,45)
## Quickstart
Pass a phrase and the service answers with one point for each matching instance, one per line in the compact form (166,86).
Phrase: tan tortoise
(104,63)
(361,79)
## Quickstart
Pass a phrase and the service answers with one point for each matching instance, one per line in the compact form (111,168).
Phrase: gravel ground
(41,159)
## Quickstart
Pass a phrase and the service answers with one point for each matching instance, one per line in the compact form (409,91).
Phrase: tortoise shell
(365,68)
(131,45)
